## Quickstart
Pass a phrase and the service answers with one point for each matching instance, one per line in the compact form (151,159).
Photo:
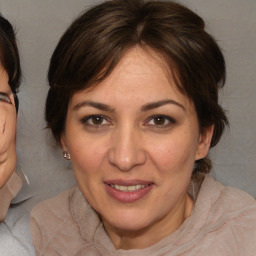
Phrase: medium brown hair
(96,41)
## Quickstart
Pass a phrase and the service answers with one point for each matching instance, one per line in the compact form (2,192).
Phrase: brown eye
(97,120)
(159,120)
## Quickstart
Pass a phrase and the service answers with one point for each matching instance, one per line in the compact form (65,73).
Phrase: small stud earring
(66,155)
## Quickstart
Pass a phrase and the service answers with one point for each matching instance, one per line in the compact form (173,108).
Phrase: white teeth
(132,188)
(128,188)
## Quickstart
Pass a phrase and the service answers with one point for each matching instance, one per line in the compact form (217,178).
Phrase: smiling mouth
(128,191)
(128,188)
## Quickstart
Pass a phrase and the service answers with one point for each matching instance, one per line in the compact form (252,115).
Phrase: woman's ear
(204,142)
(63,142)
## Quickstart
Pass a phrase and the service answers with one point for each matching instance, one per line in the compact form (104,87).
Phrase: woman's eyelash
(4,97)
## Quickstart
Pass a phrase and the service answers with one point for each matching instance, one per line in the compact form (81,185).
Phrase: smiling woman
(133,102)
(131,165)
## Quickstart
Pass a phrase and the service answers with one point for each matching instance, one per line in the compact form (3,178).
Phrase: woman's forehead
(138,63)
(140,76)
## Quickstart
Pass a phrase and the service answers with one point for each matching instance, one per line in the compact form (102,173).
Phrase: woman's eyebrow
(160,103)
(93,104)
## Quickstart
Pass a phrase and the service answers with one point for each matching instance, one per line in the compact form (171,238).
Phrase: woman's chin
(128,222)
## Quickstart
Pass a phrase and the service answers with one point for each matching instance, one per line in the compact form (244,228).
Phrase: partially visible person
(133,102)
(10,74)
(12,241)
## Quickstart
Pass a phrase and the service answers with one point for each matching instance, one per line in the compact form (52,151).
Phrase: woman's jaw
(149,235)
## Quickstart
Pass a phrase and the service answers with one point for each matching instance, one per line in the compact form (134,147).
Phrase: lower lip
(129,196)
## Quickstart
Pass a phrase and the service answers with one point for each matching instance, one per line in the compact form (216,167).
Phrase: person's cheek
(3,131)
(7,143)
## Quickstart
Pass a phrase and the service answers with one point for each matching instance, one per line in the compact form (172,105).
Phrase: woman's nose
(126,149)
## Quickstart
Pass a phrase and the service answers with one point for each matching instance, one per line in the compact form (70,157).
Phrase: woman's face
(133,141)
(7,129)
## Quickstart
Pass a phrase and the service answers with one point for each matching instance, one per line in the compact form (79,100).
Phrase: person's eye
(161,121)
(95,121)
(5,98)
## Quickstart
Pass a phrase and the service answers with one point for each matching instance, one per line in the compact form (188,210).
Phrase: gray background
(39,25)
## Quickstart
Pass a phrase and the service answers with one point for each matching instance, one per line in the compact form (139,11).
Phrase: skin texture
(8,121)
(126,142)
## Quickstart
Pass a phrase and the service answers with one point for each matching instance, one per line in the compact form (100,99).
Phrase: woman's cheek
(166,154)
(88,157)
(172,155)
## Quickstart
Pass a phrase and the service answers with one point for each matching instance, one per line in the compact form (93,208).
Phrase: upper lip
(127,182)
